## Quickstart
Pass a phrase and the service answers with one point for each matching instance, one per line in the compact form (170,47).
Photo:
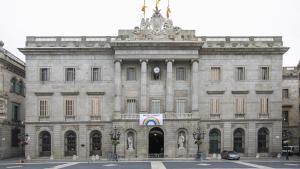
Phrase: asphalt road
(155,165)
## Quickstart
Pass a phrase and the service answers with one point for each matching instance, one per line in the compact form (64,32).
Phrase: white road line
(19,166)
(252,165)
(65,165)
(157,165)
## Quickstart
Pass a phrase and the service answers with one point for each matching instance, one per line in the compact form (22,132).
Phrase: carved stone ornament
(156,28)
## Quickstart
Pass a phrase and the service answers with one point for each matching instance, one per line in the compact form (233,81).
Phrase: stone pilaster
(118,87)
(143,104)
(83,145)
(169,87)
(58,142)
(195,85)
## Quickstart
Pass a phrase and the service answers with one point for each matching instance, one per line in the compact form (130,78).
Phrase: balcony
(95,118)
(215,116)
(264,115)
(44,118)
(239,116)
(169,116)
(70,118)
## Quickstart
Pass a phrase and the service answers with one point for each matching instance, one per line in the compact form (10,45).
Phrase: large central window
(155,106)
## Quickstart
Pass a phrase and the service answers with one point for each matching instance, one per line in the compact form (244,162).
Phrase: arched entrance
(95,143)
(214,141)
(156,143)
(70,143)
(45,143)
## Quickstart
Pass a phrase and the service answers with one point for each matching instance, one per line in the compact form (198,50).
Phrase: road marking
(19,166)
(157,165)
(252,165)
(203,164)
(65,165)
(292,164)
(110,165)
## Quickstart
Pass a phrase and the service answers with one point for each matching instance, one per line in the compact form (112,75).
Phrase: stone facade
(12,106)
(291,104)
(196,85)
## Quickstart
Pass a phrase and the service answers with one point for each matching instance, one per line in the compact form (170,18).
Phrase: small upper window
(180,73)
(44,74)
(96,74)
(285,93)
(131,74)
(240,73)
(215,73)
(265,75)
(70,74)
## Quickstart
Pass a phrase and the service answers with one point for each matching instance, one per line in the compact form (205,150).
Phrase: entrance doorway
(156,143)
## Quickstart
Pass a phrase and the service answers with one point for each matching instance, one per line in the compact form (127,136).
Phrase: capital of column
(144,60)
(170,60)
(194,60)
(118,60)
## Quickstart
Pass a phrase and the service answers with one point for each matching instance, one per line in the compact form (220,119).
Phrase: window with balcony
(44,74)
(215,73)
(180,74)
(131,74)
(15,112)
(95,107)
(44,108)
(285,117)
(214,106)
(155,106)
(131,106)
(70,74)
(96,74)
(69,107)
(180,106)
(265,74)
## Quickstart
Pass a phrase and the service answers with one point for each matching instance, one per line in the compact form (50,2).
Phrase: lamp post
(115,137)
(198,137)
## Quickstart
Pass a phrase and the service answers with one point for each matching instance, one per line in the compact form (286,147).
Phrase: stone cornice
(95,93)
(264,91)
(243,51)
(69,93)
(156,45)
(215,92)
(65,50)
(240,92)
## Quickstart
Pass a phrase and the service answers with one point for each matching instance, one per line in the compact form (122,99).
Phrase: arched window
(95,143)
(239,140)
(214,141)
(263,140)
(45,143)
(70,143)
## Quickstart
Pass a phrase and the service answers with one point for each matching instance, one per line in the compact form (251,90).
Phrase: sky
(21,18)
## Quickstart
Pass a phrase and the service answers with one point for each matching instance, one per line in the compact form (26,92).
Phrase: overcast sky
(21,18)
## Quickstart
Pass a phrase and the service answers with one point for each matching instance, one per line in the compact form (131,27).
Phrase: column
(169,87)
(195,69)
(118,86)
(143,104)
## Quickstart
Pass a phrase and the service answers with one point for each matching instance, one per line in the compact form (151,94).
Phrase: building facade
(12,104)
(81,87)
(290,106)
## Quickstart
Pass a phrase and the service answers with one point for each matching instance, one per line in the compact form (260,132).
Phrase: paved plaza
(262,164)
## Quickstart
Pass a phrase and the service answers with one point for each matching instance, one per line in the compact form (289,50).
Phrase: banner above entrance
(151,119)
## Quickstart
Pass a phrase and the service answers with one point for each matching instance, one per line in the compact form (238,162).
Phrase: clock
(156,70)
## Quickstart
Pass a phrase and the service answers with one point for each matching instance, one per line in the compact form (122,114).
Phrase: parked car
(291,149)
(230,155)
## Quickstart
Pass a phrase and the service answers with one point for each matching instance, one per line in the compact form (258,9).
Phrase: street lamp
(198,137)
(115,137)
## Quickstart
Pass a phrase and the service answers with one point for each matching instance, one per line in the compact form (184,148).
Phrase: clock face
(156,70)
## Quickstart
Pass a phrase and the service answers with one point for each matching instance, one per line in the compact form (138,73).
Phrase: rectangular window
(2,108)
(239,105)
(45,74)
(180,73)
(240,73)
(180,106)
(265,73)
(95,106)
(215,73)
(15,111)
(285,116)
(44,108)
(214,106)
(285,93)
(264,105)
(69,107)
(96,74)
(155,106)
(70,74)
(131,74)
(131,106)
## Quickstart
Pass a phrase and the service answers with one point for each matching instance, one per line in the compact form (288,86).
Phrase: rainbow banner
(151,119)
